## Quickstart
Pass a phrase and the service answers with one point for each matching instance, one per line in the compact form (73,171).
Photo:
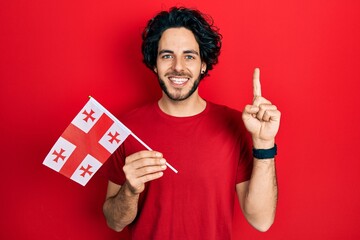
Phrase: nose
(178,65)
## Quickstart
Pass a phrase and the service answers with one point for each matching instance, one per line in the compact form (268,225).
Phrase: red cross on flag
(87,143)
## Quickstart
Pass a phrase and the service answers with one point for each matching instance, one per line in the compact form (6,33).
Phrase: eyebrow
(192,52)
(186,52)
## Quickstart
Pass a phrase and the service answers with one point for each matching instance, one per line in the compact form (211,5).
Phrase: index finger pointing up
(256,83)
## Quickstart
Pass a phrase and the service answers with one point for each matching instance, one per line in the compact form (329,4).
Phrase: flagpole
(148,148)
(136,137)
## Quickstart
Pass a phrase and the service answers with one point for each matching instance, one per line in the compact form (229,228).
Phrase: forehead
(178,39)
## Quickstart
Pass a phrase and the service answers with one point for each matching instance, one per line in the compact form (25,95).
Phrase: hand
(261,119)
(142,167)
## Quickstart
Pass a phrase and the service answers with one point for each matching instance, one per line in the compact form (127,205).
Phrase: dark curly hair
(206,34)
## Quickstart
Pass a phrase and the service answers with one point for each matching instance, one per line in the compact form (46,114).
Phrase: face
(178,64)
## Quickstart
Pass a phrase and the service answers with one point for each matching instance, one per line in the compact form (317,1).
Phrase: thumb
(250,111)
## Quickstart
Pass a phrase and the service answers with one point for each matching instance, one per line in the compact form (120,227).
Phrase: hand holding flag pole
(131,133)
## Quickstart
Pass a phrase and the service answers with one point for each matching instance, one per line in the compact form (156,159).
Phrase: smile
(178,80)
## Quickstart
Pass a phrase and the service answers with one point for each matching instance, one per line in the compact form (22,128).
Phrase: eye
(166,56)
(189,57)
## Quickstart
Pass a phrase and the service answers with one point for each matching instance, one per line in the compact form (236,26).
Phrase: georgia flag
(86,143)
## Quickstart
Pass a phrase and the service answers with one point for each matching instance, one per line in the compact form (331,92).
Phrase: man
(207,143)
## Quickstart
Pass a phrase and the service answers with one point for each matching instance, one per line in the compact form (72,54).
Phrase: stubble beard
(177,96)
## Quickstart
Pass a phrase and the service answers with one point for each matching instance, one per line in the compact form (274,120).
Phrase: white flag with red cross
(86,143)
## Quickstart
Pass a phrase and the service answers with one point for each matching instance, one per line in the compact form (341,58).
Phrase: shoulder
(226,116)
(139,116)
(223,110)
(143,110)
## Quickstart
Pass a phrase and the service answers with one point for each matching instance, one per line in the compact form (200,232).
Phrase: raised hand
(261,118)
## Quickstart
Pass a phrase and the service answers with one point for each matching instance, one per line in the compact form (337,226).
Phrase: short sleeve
(114,166)
(245,164)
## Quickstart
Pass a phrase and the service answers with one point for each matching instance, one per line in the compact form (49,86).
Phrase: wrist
(129,191)
(263,144)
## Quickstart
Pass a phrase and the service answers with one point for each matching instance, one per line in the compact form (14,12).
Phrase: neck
(185,108)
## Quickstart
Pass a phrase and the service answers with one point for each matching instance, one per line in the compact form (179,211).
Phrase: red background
(55,53)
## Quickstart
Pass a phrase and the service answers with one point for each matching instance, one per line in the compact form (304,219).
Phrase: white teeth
(178,80)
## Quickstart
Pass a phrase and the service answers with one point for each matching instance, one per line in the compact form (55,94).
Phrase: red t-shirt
(212,153)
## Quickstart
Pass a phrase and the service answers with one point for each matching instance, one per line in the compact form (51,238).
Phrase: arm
(258,196)
(120,207)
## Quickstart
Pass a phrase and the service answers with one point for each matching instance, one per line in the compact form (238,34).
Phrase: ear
(155,69)
(203,67)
